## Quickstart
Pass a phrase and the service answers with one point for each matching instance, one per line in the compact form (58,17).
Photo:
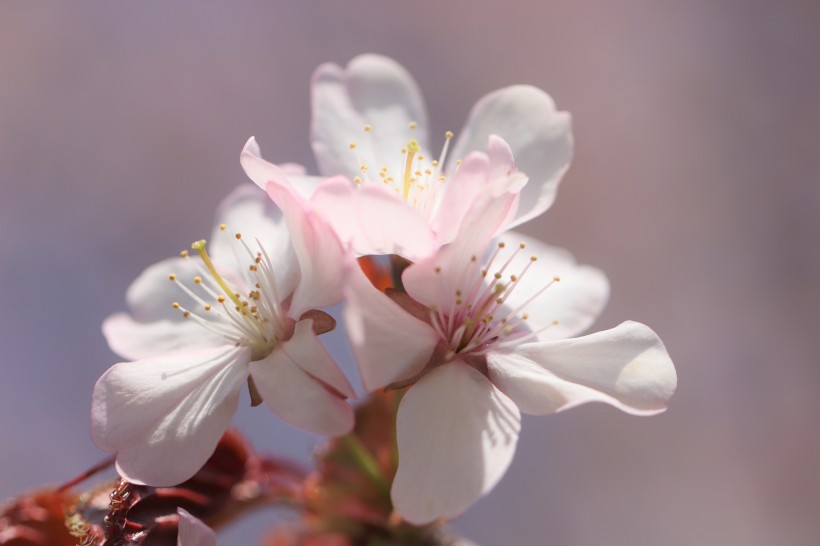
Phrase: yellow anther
(183,254)
(352,145)
(223,227)
(555,322)
(525,316)
(207,307)
(533,258)
(522,246)
(557,278)
(434,163)
(364,167)
(442,178)
(448,135)
(459,162)
(172,277)
(412,125)
(357,180)
(186,314)
(175,305)
(220,299)
(197,280)
(368,128)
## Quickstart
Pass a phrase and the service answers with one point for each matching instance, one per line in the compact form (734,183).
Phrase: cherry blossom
(192,532)
(391,193)
(485,332)
(202,326)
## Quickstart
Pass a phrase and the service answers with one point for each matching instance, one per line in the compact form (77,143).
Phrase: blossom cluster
(480,324)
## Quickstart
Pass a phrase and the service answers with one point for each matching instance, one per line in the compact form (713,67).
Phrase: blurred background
(695,186)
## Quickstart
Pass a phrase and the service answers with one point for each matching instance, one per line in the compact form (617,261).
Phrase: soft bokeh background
(696,186)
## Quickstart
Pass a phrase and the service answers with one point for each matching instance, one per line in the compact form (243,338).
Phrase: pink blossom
(192,532)
(391,193)
(484,332)
(244,312)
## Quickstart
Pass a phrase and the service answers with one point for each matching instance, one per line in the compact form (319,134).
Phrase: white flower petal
(135,340)
(295,396)
(372,90)
(164,415)
(373,220)
(192,532)
(150,296)
(575,301)
(539,135)
(457,435)
(627,367)
(249,211)
(390,344)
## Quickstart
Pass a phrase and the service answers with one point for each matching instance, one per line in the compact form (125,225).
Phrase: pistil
(199,246)
(412,148)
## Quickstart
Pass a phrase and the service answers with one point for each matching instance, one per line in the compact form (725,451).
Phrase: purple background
(695,186)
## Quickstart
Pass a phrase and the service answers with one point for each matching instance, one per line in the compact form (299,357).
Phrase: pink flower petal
(192,532)
(372,90)
(323,262)
(435,280)
(373,220)
(482,186)
(540,138)
(390,344)
(627,367)
(262,172)
(457,435)
(295,396)
(164,415)
(305,349)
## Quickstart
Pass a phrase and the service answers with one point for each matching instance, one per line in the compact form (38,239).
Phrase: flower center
(479,317)
(247,309)
(416,178)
